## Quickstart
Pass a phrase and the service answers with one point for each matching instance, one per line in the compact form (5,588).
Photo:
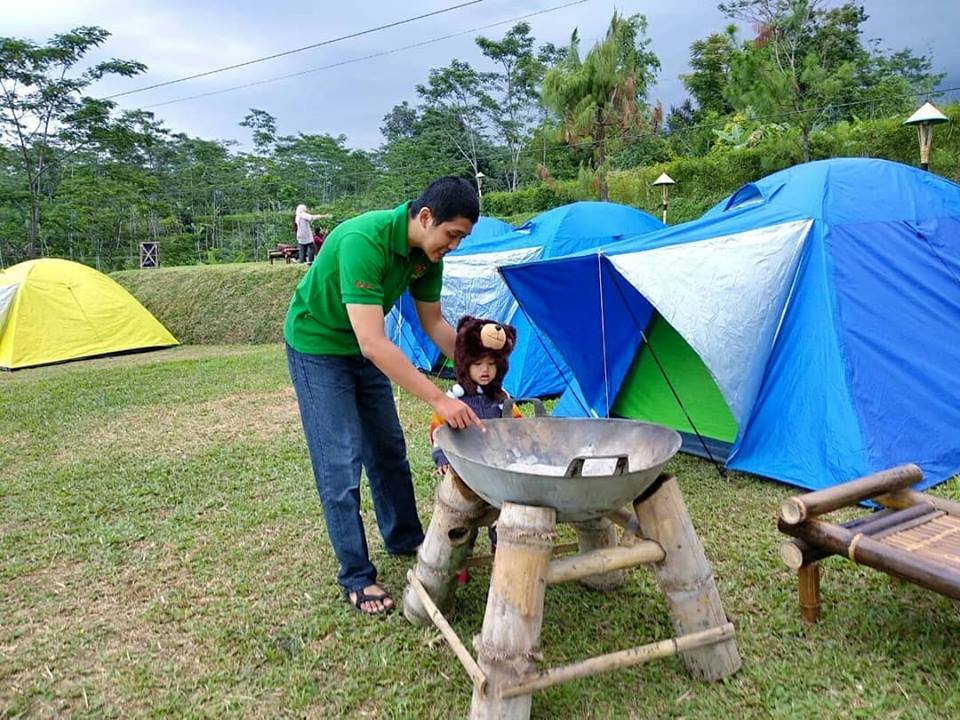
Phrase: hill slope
(217,304)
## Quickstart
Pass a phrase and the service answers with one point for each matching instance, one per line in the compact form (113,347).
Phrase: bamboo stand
(597,535)
(686,578)
(509,643)
(457,513)
(505,675)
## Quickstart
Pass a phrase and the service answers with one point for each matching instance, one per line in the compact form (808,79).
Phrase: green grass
(217,304)
(162,553)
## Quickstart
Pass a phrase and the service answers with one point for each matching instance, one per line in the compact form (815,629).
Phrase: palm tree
(601,96)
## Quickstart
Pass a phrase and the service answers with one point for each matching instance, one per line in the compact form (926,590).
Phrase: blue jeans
(350,419)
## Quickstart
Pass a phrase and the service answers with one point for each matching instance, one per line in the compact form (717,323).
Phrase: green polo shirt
(364,261)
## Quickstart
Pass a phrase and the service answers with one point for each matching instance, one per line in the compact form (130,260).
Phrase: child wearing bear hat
(479,365)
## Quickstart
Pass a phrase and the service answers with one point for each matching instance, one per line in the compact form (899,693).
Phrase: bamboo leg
(509,643)
(686,578)
(456,512)
(598,535)
(809,581)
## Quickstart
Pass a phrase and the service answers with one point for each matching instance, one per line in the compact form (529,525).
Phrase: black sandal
(363,597)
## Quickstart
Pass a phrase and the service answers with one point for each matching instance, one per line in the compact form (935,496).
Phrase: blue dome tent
(810,321)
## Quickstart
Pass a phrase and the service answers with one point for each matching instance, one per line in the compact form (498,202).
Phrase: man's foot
(372,600)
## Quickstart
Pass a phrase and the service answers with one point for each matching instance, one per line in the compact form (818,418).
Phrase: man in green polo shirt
(341,364)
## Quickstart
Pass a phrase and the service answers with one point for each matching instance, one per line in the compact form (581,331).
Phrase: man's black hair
(448,198)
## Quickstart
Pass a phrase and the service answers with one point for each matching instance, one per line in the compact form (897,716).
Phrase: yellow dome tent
(56,310)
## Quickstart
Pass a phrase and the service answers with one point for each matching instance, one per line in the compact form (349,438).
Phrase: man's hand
(457,414)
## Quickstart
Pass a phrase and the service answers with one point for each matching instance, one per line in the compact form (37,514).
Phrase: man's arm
(436,328)
(367,322)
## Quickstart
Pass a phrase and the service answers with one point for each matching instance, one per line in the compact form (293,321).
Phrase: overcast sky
(175,38)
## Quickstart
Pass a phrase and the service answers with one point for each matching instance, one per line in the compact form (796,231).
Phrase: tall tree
(808,64)
(44,112)
(514,108)
(455,104)
(710,60)
(263,127)
(603,95)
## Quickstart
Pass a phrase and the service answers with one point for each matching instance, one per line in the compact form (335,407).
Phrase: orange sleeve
(435,422)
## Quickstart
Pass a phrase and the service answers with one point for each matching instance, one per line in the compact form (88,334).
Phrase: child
(479,365)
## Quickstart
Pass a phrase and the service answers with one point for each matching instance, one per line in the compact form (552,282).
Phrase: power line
(365,57)
(331,41)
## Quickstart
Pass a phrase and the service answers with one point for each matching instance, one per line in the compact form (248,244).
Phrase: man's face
(443,238)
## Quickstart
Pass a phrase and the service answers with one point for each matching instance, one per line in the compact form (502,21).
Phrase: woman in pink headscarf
(306,250)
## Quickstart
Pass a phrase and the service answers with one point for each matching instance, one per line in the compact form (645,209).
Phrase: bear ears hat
(477,337)
(485,337)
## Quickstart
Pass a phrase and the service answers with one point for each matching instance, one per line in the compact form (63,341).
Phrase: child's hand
(441,470)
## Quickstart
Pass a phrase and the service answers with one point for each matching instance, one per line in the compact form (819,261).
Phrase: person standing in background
(306,250)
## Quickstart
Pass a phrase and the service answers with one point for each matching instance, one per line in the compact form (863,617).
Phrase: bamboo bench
(915,537)
(282,252)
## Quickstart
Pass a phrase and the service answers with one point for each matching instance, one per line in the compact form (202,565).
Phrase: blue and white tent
(820,307)
(472,285)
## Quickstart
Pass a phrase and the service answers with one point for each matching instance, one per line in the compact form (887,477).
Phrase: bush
(526,200)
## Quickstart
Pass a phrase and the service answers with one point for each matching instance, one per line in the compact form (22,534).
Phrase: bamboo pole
(906,498)
(559,549)
(457,510)
(880,556)
(796,509)
(450,635)
(628,521)
(617,660)
(595,535)
(798,553)
(686,578)
(601,562)
(808,578)
(509,643)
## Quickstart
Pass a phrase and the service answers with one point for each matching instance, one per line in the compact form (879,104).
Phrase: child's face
(483,371)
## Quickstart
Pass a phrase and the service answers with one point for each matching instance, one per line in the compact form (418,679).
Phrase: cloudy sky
(176,38)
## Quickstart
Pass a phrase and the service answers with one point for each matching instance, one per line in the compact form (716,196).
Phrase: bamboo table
(915,537)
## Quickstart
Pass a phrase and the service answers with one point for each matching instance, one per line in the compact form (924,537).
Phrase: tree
(44,113)
(401,122)
(419,148)
(603,94)
(710,60)
(264,128)
(515,110)
(808,64)
(455,105)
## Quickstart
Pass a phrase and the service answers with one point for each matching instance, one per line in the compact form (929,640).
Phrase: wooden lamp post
(664,181)
(925,118)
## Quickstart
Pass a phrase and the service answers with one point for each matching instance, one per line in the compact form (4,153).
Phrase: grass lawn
(162,553)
